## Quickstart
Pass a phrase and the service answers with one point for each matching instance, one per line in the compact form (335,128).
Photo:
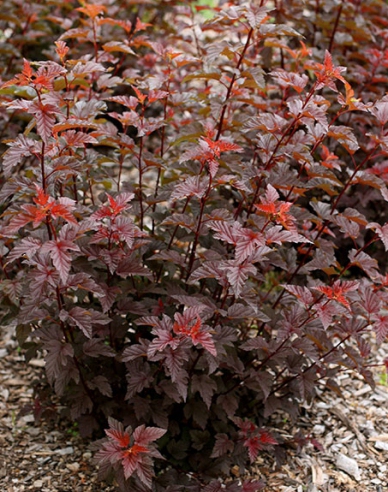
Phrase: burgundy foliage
(194,219)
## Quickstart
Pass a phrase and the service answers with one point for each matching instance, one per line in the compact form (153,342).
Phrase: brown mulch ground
(353,430)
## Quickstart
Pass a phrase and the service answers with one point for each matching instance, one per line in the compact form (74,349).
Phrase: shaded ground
(352,429)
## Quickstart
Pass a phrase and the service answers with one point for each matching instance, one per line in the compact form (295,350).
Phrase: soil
(350,430)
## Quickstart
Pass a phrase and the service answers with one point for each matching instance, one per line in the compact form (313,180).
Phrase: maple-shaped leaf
(278,235)
(84,68)
(205,386)
(79,317)
(138,377)
(226,231)
(130,102)
(380,110)
(290,79)
(45,118)
(301,293)
(130,265)
(84,319)
(27,247)
(382,232)
(222,446)
(192,186)
(365,262)
(59,251)
(162,329)
(140,96)
(78,139)
(56,358)
(135,351)
(337,291)
(19,148)
(237,275)
(326,312)
(380,326)
(205,339)
(144,435)
(210,269)
(174,361)
(45,75)
(123,229)
(248,241)
(144,469)
(96,347)
(102,384)
(254,446)
(369,301)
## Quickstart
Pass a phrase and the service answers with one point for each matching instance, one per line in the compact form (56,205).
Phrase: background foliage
(193,224)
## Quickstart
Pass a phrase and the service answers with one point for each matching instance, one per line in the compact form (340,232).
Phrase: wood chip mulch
(353,430)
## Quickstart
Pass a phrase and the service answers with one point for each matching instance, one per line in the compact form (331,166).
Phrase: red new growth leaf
(329,159)
(338,290)
(254,439)
(326,73)
(208,152)
(115,207)
(141,26)
(133,449)
(62,49)
(46,207)
(188,325)
(22,79)
(92,10)
(117,434)
(276,210)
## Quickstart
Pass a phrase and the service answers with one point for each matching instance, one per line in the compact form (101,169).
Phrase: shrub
(194,218)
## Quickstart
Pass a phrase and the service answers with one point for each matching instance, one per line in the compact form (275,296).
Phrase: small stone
(3,353)
(319,429)
(381,445)
(73,467)
(38,483)
(34,431)
(15,382)
(26,419)
(64,451)
(37,362)
(376,481)
(87,455)
(348,465)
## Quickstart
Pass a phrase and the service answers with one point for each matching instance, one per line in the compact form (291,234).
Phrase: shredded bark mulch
(352,430)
